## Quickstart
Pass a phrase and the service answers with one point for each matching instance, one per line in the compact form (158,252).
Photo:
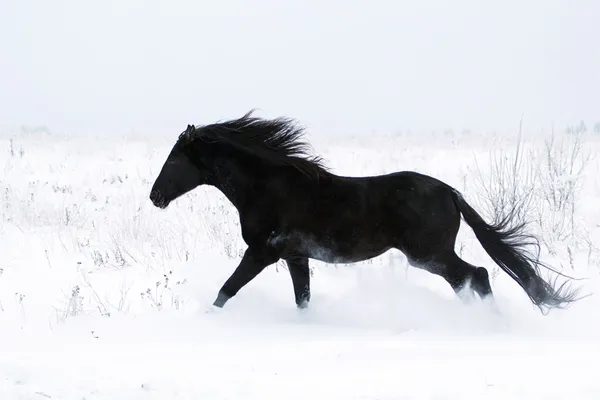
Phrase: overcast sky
(343,65)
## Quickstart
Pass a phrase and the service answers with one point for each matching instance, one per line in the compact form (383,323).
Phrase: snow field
(104,296)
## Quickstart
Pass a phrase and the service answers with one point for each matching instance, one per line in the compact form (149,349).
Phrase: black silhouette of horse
(292,208)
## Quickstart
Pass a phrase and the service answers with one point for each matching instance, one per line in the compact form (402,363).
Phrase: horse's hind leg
(458,273)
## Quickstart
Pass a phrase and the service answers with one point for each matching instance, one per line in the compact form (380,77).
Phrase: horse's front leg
(300,274)
(255,259)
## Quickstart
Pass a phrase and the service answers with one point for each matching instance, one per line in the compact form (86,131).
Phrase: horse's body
(292,208)
(346,220)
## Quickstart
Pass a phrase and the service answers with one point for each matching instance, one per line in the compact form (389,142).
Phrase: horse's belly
(337,256)
(331,251)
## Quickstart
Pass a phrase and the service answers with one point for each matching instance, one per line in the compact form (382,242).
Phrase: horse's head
(180,173)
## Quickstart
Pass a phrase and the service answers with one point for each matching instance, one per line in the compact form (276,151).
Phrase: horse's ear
(190,129)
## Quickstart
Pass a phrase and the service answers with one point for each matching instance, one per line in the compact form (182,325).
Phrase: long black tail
(506,246)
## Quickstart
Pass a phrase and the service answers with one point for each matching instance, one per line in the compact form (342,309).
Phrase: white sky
(342,65)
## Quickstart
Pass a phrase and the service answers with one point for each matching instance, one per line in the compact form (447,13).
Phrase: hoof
(221,300)
(302,305)
(490,302)
(466,295)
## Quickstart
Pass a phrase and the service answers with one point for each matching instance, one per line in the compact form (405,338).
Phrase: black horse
(292,208)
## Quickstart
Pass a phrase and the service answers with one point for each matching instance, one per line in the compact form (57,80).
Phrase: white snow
(76,214)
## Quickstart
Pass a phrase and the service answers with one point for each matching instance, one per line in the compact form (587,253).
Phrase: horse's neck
(234,180)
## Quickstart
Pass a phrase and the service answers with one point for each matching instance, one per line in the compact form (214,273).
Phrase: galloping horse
(292,208)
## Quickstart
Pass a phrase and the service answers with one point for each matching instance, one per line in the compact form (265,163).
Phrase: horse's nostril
(155,196)
(158,199)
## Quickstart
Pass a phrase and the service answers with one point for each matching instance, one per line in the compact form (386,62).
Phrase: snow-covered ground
(103,296)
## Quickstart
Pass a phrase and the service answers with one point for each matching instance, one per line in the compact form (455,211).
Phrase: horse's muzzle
(158,199)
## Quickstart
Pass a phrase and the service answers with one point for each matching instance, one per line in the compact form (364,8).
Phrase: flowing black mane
(278,141)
